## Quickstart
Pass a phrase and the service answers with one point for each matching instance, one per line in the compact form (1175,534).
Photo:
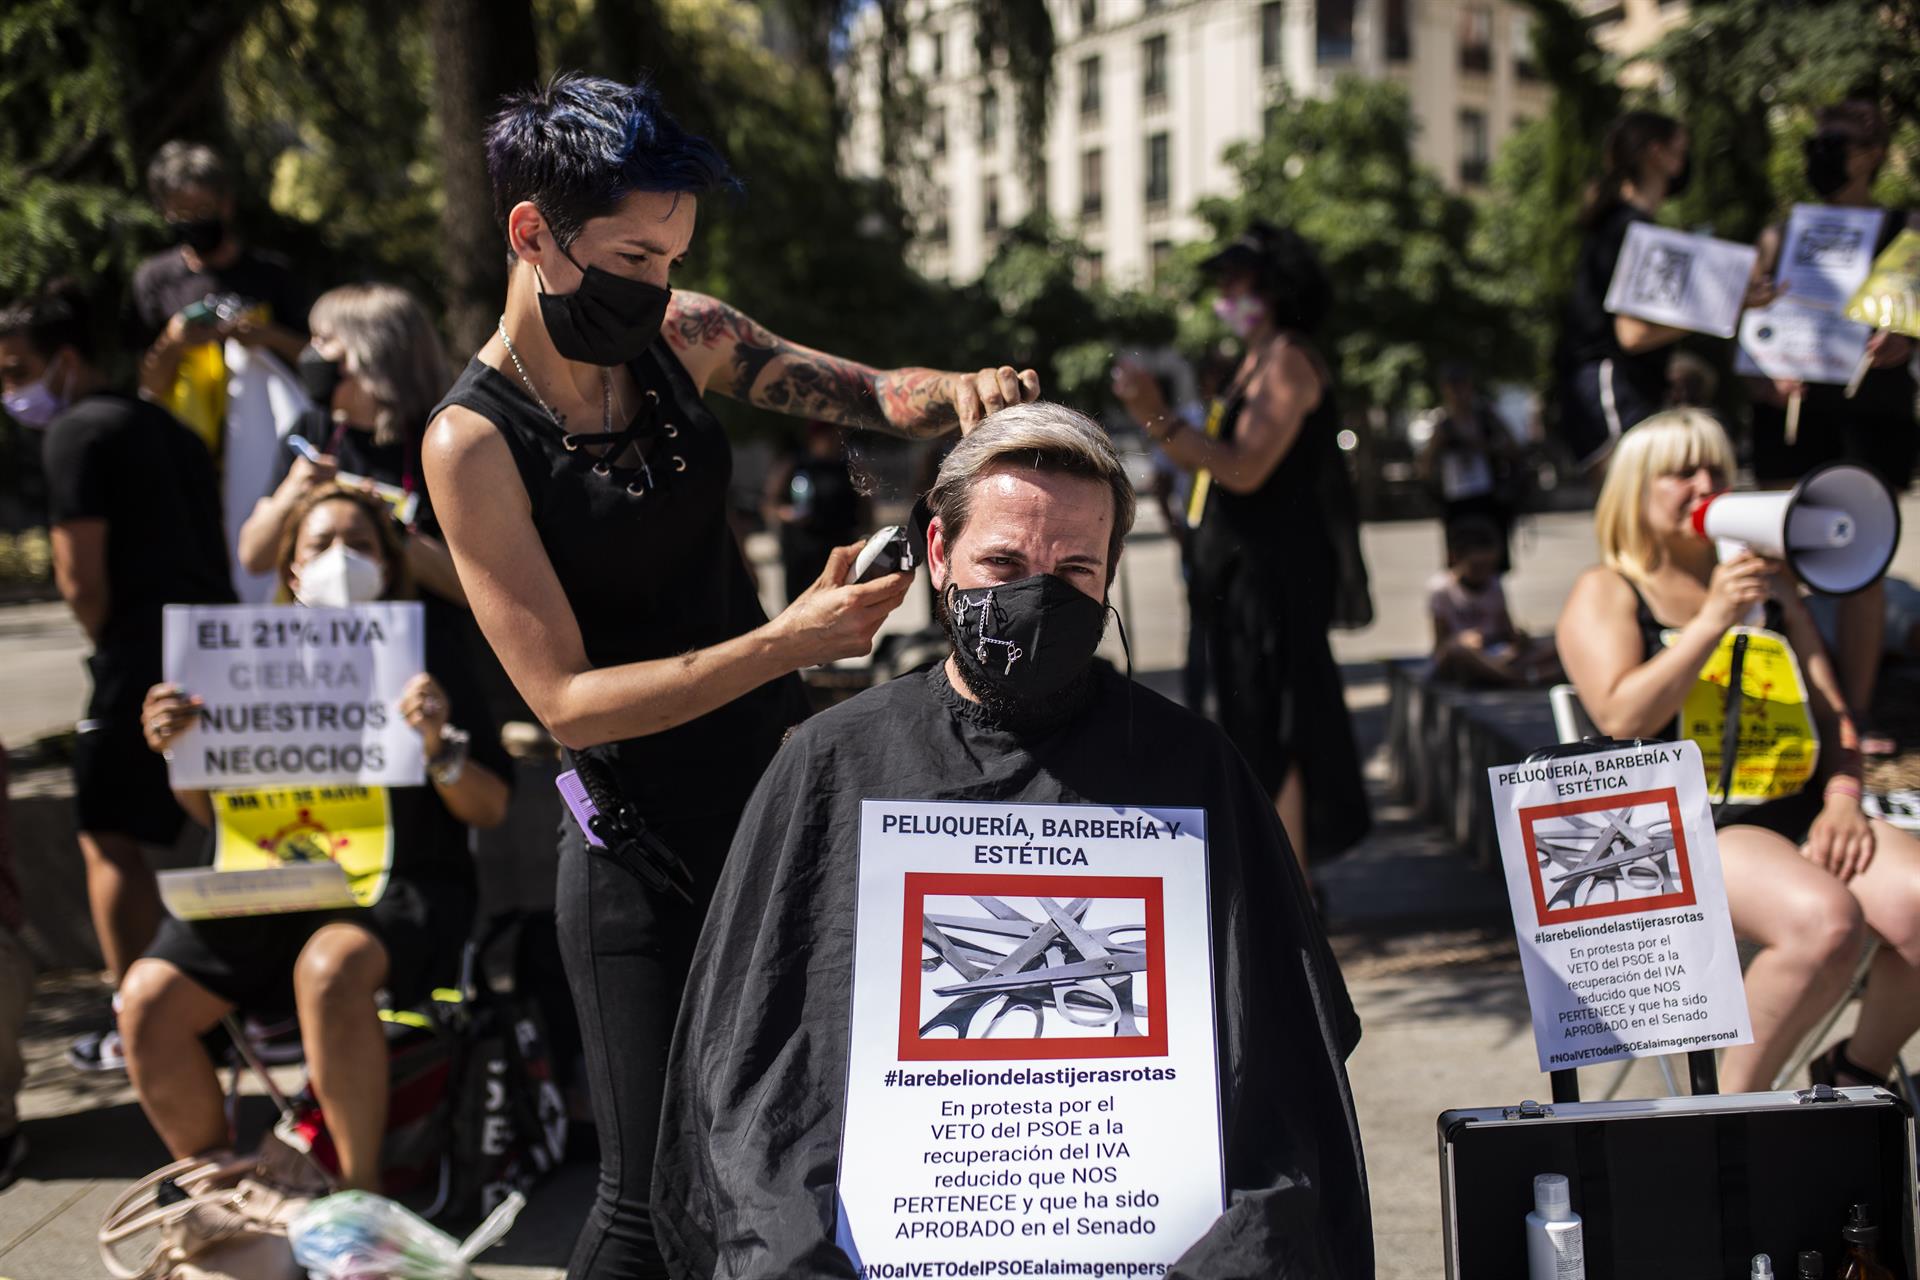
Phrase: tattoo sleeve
(751,363)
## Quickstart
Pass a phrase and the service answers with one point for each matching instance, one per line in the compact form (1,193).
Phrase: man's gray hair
(179,165)
(1044,437)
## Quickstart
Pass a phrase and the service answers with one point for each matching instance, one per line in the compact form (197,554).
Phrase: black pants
(627,953)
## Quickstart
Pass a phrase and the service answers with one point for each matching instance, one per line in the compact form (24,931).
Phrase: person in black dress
(1264,565)
(582,486)
(1615,367)
(1875,427)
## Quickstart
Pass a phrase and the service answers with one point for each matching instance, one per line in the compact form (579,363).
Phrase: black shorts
(248,961)
(1790,816)
(120,784)
(1600,406)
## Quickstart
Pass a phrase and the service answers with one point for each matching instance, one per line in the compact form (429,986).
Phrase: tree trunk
(482,49)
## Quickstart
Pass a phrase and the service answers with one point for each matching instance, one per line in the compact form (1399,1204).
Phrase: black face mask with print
(1024,647)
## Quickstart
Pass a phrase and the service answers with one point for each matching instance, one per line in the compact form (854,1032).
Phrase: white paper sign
(295,695)
(1686,281)
(1826,252)
(1031,1077)
(1790,340)
(1614,878)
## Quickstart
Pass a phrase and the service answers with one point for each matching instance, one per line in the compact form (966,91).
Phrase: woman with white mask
(415,904)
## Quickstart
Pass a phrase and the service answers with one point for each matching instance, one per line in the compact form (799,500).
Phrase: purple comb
(574,793)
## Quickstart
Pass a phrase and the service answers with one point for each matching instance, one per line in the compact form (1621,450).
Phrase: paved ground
(1423,938)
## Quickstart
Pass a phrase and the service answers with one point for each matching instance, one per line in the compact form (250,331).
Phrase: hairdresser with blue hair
(582,487)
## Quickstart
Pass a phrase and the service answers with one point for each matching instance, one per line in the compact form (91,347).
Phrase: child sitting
(1474,639)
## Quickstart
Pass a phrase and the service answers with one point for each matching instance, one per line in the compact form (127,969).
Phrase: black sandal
(1834,1063)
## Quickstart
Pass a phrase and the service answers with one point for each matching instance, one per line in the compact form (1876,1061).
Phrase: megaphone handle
(1730,733)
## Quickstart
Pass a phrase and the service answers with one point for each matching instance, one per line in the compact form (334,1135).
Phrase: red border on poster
(919,885)
(1667,796)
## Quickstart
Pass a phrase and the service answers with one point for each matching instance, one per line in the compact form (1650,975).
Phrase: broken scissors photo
(1607,856)
(1039,968)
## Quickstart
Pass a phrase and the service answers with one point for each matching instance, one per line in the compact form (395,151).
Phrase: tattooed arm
(733,354)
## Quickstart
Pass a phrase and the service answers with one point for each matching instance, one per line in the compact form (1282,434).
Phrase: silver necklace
(606,386)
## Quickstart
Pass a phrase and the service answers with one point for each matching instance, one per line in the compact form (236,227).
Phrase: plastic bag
(1889,298)
(357,1235)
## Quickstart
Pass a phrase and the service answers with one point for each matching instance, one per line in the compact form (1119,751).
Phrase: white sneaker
(98,1051)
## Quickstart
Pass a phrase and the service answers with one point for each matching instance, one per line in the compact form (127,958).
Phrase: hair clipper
(615,830)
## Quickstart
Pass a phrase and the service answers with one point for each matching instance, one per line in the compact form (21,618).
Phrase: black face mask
(319,375)
(1679,182)
(1022,644)
(1826,163)
(607,321)
(202,235)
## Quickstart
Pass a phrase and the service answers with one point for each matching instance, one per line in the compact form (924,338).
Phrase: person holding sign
(1651,640)
(375,371)
(1029,514)
(1870,425)
(582,483)
(1616,366)
(404,849)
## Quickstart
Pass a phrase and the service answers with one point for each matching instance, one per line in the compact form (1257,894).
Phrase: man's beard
(1008,710)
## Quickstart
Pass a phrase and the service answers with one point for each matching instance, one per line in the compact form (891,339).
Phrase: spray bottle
(1863,1244)
(1761,1268)
(1556,1249)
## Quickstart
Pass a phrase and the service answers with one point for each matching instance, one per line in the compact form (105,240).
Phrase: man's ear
(527,231)
(938,567)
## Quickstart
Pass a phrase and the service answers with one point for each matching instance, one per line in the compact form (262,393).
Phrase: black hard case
(1683,1188)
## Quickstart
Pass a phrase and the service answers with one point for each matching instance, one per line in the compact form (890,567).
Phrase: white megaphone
(1836,529)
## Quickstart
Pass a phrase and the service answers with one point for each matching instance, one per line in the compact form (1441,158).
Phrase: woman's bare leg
(334,982)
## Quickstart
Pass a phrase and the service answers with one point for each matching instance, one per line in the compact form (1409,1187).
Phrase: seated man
(1033,503)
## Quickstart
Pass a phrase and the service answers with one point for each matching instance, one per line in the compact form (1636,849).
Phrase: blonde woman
(1807,874)
(375,371)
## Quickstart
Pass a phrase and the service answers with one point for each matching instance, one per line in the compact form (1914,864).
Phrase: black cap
(1860,1228)
(1812,1265)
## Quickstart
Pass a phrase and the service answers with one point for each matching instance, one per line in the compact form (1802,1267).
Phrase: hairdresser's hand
(304,476)
(1841,839)
(1886,350)
(833,619)
(975,395)
(168,712)
(1737,586)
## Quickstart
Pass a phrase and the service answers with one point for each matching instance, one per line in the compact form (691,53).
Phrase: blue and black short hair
(580,144)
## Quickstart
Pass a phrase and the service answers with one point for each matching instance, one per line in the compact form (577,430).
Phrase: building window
(1476,38)
(1272,49)
(1093,183)
(1092,269)
(1153,85)
(1090,88)
(1473,148)
(939,55)
(1333,30)
(989,117)
(1039,203)
(937,228)
(1523,64)
(1399,30)
(1089,14)
(1270,120)
(938,131)
(990,200)
(1159,170)
(1154,6)
(1159,257)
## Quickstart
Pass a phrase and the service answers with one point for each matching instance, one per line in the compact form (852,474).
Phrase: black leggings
(626,953)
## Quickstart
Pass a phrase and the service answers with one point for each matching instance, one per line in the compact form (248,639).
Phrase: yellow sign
(1890,296)
(1203,478)
(1779,747)
(273,828)
(199,395)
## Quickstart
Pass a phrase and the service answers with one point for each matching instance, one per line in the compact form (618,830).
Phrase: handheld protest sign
(295,696)
(1613,874)
(1889,298)
(1685,281)
(1032,1074)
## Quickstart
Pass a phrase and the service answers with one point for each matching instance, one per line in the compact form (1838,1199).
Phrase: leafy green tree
(1408,289)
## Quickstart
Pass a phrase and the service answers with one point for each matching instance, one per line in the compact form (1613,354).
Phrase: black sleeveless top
(1282,524)
(650,572)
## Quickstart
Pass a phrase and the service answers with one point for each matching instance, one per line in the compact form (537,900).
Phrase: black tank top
(650,575)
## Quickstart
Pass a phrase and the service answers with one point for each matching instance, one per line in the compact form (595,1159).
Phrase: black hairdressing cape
(745,1180)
